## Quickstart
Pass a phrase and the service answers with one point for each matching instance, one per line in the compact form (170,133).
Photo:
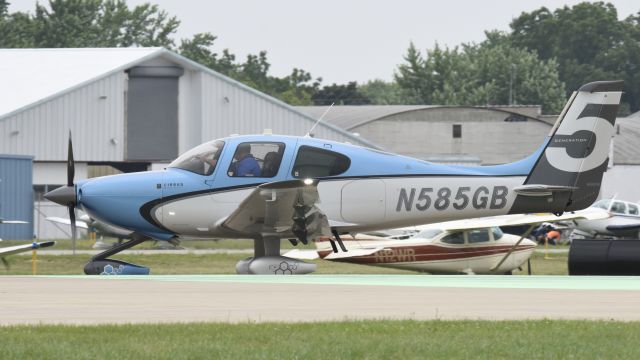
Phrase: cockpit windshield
(602,204)
(201,159)
(428,234)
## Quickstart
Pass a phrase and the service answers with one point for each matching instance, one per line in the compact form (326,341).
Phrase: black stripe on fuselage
(147,208)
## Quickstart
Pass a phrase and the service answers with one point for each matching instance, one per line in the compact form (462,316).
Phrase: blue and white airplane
(269,188)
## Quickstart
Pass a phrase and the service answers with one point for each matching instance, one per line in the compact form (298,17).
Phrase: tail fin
(568,173)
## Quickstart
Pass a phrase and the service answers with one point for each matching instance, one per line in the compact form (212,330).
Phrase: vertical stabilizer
(568,174)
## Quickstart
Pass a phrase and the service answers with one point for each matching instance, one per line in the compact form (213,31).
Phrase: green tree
(381,92)
(88,23)
(296,88)
(588,42)
(492,72)
(412,76)
(200,50)
(340,95)
(4,9)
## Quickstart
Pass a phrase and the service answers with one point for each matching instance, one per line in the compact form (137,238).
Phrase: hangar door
(152,113)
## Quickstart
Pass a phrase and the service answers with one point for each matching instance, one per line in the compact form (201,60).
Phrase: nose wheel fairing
(114,267)
(101,265)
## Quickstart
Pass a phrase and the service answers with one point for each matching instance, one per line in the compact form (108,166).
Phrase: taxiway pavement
(237,298)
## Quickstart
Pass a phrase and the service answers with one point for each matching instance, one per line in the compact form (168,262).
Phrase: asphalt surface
(238,298)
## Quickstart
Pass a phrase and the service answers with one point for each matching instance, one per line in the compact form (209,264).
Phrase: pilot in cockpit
(245,164)
(209,161)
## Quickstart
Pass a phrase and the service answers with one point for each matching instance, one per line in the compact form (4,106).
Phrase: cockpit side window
(618,207)
(313,162)
(202,159)
(478,236)
(455,238)
(633,209)
(256,159)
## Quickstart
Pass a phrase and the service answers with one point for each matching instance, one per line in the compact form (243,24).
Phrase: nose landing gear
(100,265)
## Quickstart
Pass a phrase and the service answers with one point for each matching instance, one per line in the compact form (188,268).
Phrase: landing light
(308,181)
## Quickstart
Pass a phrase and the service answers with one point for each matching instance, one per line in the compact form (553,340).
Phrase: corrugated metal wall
(229,109)
(94,113)
(209,108)
(428,132)
(16,196)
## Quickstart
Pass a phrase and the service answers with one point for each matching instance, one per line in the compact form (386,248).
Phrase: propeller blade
(72,218)
(70,163)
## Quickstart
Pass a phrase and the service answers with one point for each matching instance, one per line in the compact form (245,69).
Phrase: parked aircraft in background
(104,230)
(474,246)
(11,250)
(624,221)
(269,188)
(2,221)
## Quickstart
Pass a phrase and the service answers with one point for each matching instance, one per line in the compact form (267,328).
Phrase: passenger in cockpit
(246,164)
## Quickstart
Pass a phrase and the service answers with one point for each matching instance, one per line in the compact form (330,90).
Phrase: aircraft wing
(10,250)
(65,221)
(353,253)
(301,254)
(283,208)
(521,219)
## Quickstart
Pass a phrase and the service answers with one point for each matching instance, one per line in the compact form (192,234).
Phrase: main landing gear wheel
(268,261)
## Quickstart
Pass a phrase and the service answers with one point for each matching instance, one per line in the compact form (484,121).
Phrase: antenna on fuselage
(318,121)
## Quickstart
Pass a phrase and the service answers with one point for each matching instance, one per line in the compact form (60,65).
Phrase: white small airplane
(474,246)
(11,250)
(623,221)
(270,187)
(2,221)
(85,222)
(102,229)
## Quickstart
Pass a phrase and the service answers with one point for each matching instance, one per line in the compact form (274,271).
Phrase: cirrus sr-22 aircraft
(269,188)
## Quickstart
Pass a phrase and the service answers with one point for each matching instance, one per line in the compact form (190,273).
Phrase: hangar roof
(627,133)
(33,76)
(349,117)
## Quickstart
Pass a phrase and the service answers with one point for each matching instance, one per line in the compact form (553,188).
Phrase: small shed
(16,196)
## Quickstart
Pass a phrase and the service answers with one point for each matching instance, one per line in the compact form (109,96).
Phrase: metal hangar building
(128,108)
(132,109)
(445,134)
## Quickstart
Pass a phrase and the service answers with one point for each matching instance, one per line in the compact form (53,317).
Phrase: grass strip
(540,339)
